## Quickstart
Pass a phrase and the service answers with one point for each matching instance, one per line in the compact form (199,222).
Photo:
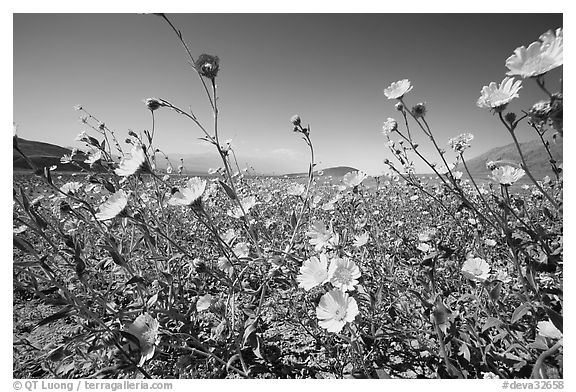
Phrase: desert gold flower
(397,89)
(336,308)
(496,96)
(476,269)
(343,273)
(113,206)
(540,56)
(313,272)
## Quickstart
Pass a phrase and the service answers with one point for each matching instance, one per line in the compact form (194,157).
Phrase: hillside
(43,155)
(534,152)
(338,171)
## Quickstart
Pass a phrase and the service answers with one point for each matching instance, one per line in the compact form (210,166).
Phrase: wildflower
(241,249)
(426,235)
(461,142)
(136,162)
(390,125)
(207,65)
(169,169)
(313,272)
(539,112)
(476,269)
(93,157)
(145,330)
(112,207)
(556,114)
(295,120)
(507,175)
(489,242)
(498,96)
(190,195)
(71,188)
(397,89)
(343,273)
(540,56)
(224,264)
(321,236)
(82,136)
(336,309)
(424,247)
(489,375)
(247,203)
(419,110)
(548,330)
(361,240)
(66,159)
(152,103)
(353,179)
(296,189)
(457,175)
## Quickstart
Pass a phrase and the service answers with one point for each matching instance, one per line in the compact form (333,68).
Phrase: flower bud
(399,106)
(295,120)
(207,65)
(510,117)
(419,110)
(152,103)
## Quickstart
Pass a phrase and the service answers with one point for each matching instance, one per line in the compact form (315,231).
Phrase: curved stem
(524,164)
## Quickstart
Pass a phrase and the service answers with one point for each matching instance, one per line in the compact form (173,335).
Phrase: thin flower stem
(478,190)
(193,61)
(524,164)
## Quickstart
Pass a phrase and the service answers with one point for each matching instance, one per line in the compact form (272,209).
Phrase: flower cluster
(461,142)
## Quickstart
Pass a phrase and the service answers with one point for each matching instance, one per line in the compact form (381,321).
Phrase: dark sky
(329,68)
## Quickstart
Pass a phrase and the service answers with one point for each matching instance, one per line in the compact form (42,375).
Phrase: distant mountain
(338,171)
(43,155)
(537,158)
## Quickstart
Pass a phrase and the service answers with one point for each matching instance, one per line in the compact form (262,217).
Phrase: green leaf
(491,322)
(229,191)
(64,312)
(555,317)
(519,312)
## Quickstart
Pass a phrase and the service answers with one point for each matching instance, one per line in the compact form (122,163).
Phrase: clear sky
(331,69)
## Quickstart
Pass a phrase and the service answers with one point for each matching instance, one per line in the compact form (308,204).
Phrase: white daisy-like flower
(66,159)
(476,269)
(540,56)
(343,273)
(93,157)
(134,164)
(190,195)
(113,206)
(424,247)
(247,204)
(313,272)
(390,125)
(548,330)
(507,175)
(361,240)
(496,96)
(145,329)
(241,249)
(296,189)
(426,235)
(335,309)
(489,242)
(71,187)
(320,236)
(353,179)
(397,89)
